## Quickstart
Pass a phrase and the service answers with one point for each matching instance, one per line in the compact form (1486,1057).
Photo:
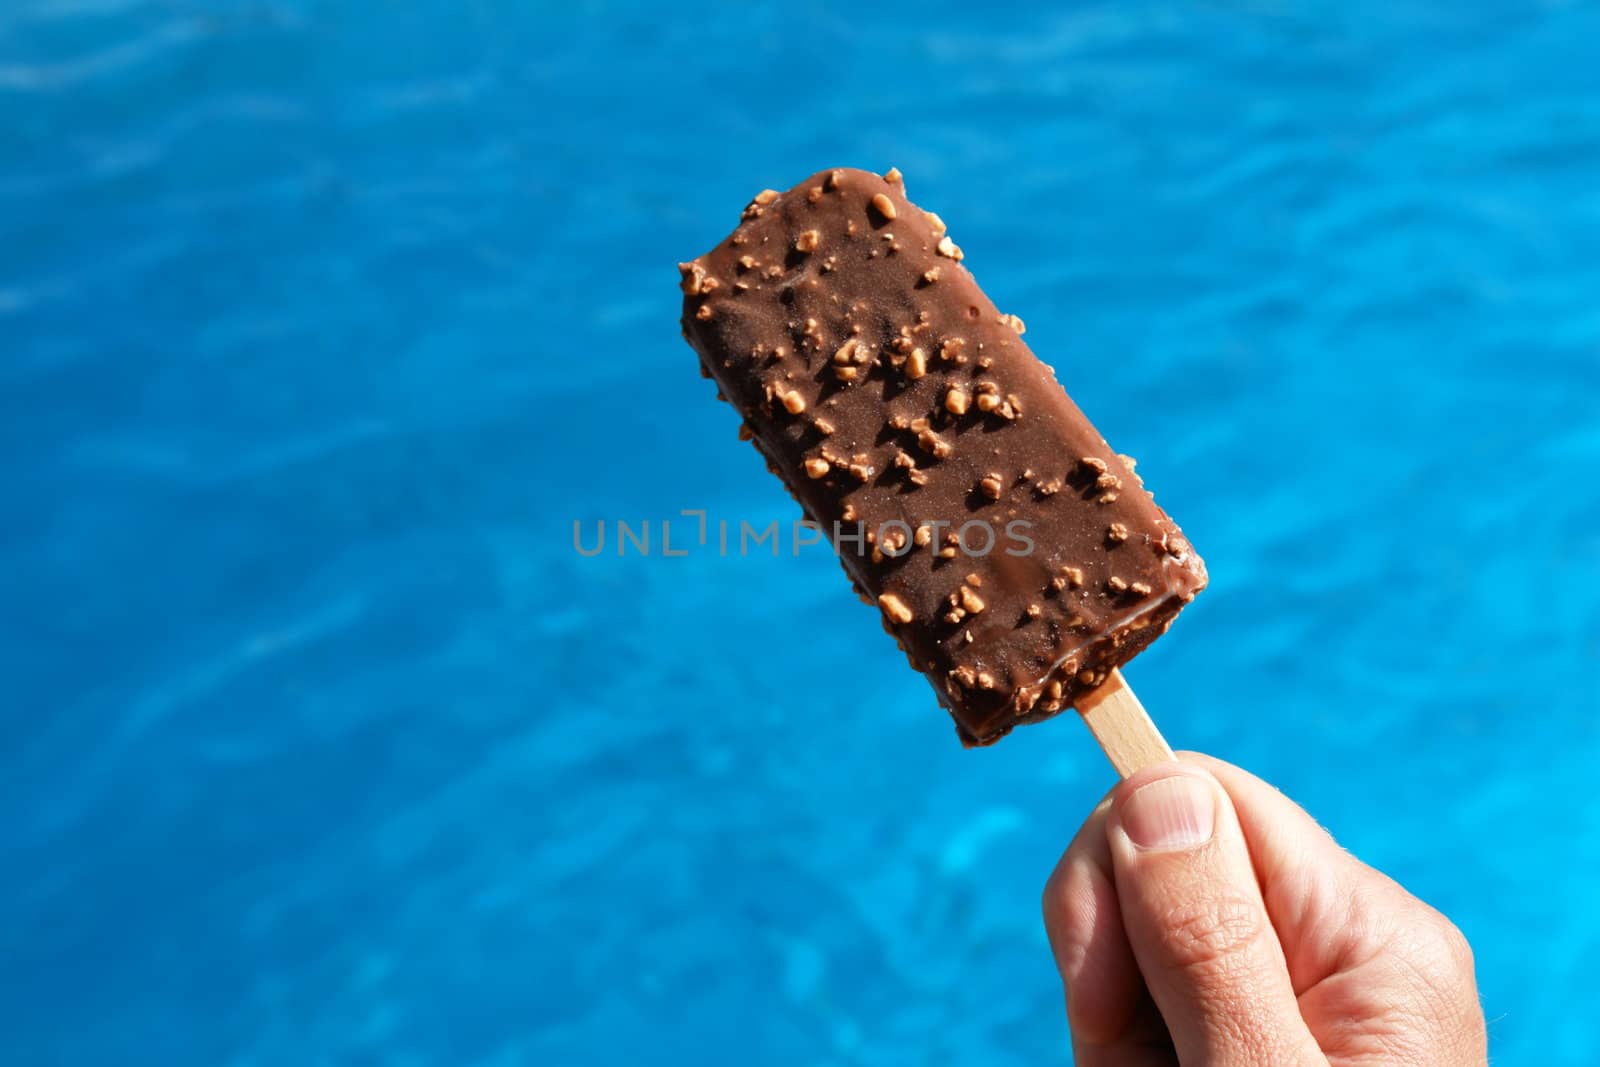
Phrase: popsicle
(1016,557)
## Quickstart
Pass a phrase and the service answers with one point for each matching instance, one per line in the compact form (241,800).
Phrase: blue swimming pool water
(320,323)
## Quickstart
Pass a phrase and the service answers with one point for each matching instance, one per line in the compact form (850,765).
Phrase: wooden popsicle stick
(1121,725)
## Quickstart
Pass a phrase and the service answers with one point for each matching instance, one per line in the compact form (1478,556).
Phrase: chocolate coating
(885,389)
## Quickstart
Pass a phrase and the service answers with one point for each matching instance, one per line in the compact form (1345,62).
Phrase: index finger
(1113,1020)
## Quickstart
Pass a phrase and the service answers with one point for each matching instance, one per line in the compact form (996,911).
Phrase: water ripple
(124,58)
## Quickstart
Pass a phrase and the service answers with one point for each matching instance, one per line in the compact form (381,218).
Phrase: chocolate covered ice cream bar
(1017,558)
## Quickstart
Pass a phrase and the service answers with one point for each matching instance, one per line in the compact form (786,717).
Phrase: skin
(1212,923)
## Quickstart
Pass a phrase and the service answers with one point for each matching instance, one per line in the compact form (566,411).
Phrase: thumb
(1197,925)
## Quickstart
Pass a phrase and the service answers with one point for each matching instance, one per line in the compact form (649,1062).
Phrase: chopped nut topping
(985,680)
(975,580)
(814,193)
(747,262)
(949,248)
(971,602)
(846,353)
(1117,533)
(1073,575)
(1107,497)
(916,364)
(807,241)
(824,426)
(1142,588)
(894,177)
(1086,676)
(762,199)
(1033,611)
(1094,463)
(816,467)
(703,312)
(933,444)
(990,485)
(792,402)
(846,374)
(947,553)
(923,536)
(833,179)
(930,275)
(1117,585)
(883,206)
(895,608)
(936,222)
(955,401)
(1108,481)
(694,278)
(1127,461)
(1015,323)
(951,349)
(860,469)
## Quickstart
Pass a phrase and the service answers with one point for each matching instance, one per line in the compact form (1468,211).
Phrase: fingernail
(1177,812)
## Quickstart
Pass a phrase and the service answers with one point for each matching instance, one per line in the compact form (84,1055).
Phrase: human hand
(1201,917)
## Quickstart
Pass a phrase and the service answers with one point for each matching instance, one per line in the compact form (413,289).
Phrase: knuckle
(1427,1009)
(1051,900)
(1212,937)
(1432,978)
(1457,947)
(1079,851)
(1068,900)
(1439,945)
